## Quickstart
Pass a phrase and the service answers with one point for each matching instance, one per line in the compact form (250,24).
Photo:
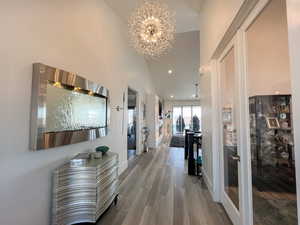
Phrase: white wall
(79,36)
(215,18)
(268,55)
(206,103)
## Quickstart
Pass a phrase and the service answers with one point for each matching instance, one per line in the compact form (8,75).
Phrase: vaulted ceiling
(187,11)
(183,59)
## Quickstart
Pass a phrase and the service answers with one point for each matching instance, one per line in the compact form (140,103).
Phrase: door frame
(138,121)
(245,214)
(245,177)
(247,217)
(229,206)
(247,14)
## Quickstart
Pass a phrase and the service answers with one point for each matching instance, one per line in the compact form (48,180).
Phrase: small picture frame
(272,123)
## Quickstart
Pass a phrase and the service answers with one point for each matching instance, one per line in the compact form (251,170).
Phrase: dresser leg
(116,199)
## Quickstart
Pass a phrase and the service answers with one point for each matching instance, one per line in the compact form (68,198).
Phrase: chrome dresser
(82,192)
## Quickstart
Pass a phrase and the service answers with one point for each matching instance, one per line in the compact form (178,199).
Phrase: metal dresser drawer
(82,193)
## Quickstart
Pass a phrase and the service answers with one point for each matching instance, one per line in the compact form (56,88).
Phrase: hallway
(155,190)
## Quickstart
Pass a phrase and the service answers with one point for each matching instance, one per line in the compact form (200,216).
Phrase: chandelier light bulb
(152,29)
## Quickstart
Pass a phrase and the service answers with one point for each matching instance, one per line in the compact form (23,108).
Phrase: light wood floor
(156,190)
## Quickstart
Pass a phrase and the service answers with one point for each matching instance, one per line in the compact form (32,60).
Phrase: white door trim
(216,134)
(138,121)
(246,204)
(246,172)
(230,208)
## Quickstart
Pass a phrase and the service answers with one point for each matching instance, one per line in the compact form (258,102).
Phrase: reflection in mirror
(72,110)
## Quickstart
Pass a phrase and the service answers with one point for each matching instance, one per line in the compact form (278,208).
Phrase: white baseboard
(209,184)
(123,166)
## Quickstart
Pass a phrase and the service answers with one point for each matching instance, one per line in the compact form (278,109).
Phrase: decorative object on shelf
(103,149)
(272,147)
(272,123)
(285,125)
(66,108)
(283,116)
(145,132)
(152,28)
(227,115)
(82,193)
(97,155)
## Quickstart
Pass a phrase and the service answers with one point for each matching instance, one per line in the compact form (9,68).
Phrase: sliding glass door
(186,117)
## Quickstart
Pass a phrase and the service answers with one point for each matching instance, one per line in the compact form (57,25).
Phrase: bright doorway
(186,117)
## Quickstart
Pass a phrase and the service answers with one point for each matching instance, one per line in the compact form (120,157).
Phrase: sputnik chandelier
(152,28)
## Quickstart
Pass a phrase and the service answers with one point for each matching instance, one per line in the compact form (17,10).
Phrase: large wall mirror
(66,108)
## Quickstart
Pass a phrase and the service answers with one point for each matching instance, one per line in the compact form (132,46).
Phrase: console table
(82,193)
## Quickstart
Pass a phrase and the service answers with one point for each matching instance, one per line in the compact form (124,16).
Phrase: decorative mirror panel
(66,108)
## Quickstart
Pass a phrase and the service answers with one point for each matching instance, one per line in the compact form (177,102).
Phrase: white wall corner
(215,87)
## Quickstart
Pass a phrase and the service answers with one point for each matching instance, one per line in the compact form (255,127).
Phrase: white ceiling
(183,58)
(186,11)
(184,61)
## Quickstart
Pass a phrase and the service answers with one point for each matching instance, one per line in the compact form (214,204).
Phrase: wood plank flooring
(156,190)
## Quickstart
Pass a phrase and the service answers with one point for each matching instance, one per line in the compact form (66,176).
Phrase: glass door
(229,133)
(270,125)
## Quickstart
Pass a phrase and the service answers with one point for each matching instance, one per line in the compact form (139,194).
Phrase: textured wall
(79,36)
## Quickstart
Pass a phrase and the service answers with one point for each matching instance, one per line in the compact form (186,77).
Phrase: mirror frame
(42,75)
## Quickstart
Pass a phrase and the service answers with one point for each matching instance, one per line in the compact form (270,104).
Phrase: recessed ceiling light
(172,96)
(170,72)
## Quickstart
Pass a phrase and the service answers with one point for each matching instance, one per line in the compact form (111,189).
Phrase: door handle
(236,158)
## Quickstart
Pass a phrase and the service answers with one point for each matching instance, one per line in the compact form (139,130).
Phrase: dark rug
(177,141)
